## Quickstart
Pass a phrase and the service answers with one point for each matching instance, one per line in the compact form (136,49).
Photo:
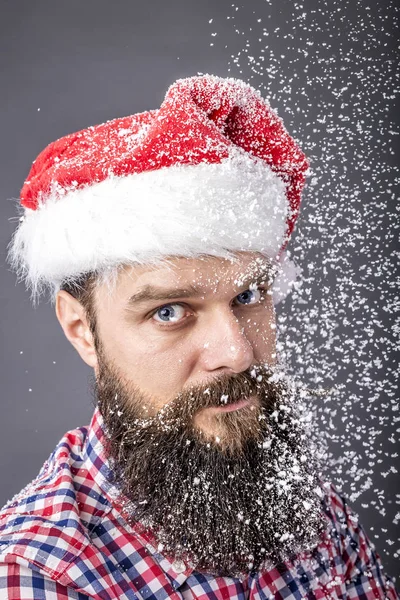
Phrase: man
(162,237)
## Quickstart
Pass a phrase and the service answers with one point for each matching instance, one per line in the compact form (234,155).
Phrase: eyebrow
(149,293)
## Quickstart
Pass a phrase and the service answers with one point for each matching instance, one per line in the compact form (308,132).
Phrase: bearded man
(162,237)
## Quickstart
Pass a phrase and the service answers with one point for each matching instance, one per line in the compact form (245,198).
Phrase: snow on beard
(249,498)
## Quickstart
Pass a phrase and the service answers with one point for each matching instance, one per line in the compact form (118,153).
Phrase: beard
(246,499)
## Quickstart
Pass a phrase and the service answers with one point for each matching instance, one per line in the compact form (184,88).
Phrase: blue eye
(250,296)
(173,313)
(168,314)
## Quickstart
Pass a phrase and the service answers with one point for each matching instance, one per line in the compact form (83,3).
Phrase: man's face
(207,446)
(165,329)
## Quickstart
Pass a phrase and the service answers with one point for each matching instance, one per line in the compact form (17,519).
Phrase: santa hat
(211,172)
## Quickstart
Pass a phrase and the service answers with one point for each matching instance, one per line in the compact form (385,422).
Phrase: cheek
(260,331)
(157,362)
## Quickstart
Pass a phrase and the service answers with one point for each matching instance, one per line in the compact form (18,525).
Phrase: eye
(173,313)
(250,296)
(169,313)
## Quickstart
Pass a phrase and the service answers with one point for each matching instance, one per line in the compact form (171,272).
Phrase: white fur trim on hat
(238,204)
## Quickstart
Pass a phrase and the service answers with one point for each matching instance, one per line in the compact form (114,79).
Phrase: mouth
(251,401)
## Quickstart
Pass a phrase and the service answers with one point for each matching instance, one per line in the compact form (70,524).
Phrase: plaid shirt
(64,536)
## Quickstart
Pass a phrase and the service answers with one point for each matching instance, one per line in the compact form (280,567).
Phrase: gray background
(329,68)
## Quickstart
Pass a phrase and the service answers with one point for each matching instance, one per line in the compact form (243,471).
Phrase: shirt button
(179,566)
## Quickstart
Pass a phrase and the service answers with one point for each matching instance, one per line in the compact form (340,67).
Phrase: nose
(226,345)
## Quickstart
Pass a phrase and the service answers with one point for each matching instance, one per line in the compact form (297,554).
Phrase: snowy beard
(251,499)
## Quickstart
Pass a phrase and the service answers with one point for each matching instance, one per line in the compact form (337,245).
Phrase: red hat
(212,171)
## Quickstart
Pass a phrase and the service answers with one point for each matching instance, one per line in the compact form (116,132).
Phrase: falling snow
(335,81)
(332,74)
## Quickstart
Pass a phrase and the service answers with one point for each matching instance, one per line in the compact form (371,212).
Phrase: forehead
(204,271)
(188,276)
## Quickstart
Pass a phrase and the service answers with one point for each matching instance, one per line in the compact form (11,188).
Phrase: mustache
(260,381)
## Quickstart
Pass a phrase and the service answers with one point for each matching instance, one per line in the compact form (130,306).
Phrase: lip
(232,407)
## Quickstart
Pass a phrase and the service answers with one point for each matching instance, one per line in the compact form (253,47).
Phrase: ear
(72,318)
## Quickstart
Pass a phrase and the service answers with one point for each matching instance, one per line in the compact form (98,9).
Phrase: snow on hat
(211,172)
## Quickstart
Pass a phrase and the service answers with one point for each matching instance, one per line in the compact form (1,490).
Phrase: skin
(215,333)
